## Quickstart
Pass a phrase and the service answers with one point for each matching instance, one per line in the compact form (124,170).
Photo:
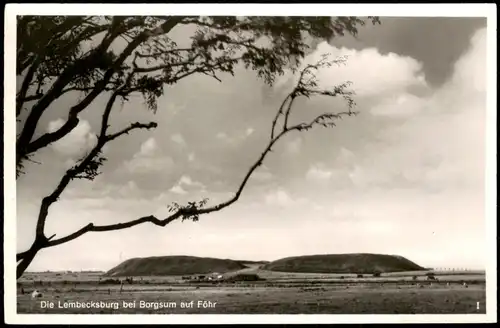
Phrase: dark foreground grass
(261,300)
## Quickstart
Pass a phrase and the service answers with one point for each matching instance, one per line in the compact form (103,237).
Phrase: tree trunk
(26,261)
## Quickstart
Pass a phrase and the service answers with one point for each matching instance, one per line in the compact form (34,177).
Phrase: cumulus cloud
(278,198)
(437,142)
(186,180)
(148,147)
(443,145)
(294,146)
(129,189)
(75,143)
(401,105)
(318,174)
(373,74)
(262,174)
(178,190)
(223,136)
(470,69)
(149,159)
(178,139)
(185,184)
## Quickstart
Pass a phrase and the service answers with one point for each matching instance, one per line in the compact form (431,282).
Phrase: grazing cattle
(448,284)
(465,285)
(36,294)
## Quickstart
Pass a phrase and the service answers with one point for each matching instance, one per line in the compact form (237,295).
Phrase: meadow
(278,293)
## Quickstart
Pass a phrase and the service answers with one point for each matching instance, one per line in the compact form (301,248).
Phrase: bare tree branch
(24,144)
(133,126)
(217,46)
(85,163)
(325,119)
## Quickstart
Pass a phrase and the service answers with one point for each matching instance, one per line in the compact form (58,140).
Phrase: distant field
(280,292)
(31,278)
(255,300)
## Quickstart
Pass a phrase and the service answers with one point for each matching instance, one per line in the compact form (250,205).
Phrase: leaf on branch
(189,211)
(91,170)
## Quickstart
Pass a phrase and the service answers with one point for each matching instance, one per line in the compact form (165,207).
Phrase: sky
(404,177)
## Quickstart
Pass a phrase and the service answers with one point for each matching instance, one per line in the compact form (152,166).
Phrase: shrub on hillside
(245,277)
(110,282)
(377,274)
(430,274)
(359,276)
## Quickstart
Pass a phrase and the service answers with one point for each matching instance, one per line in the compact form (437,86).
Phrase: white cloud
(187,185)
(178,190)
(279,197)
(373,74)
(318,174)
(128,189)
(148,165)
(470,70)
(294,146)
(149,159)
(75,143)
(262,174)
(187,181)
(439,143)
(148,147)
(402,105)
(345,157)
(222,136)
(178,139)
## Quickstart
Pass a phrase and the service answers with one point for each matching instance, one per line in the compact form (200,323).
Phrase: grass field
(280,293)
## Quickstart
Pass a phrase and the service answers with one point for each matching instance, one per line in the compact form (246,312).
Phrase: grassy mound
(173,265)
(343,263)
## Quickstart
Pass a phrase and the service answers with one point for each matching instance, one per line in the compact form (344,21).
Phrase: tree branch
(136,125)
(87,167)
(24,144)
(80,168)
(37,59)
(322,119)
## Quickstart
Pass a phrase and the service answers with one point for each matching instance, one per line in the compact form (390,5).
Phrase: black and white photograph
(312,160)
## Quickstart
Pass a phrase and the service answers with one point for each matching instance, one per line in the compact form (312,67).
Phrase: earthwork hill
(331,263)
